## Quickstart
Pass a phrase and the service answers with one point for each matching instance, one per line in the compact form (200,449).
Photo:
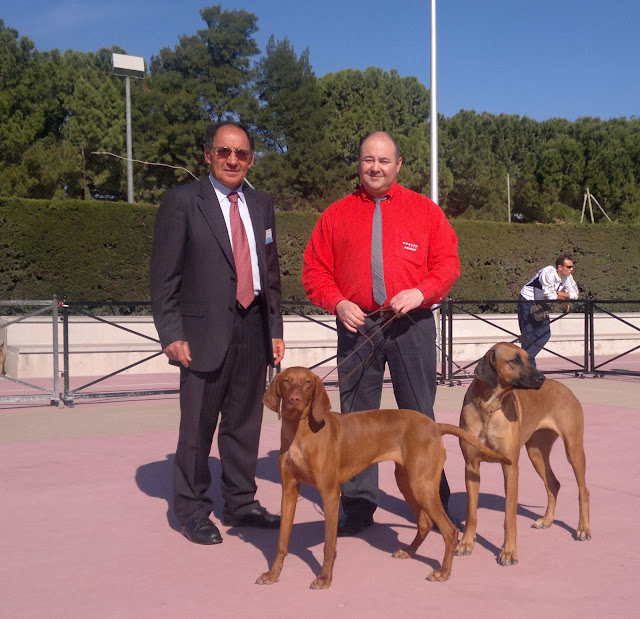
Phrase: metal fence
(51,394)
(450,369)
(449,373)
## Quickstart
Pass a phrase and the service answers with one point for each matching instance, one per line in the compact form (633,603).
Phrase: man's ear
(272,396)
(485,370)
(320,404)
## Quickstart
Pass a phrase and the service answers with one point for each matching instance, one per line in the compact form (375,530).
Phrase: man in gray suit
(215,292)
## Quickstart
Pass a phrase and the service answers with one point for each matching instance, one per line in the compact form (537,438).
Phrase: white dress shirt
(222,193)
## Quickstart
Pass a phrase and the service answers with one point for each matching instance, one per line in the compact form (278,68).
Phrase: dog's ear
(272,396)
(320,405)
(486,371)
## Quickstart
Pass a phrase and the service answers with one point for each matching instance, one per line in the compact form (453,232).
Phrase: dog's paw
(508,558)
(583,536)
(541,523)
(438,576)
(464,549)
(267,579)
(401,553)
(322,582)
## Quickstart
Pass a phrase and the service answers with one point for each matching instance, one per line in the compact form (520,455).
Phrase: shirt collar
(224,190)
(362,193)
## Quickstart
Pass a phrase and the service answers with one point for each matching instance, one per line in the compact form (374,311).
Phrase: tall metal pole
(129,146)
(128,67)
(434,108)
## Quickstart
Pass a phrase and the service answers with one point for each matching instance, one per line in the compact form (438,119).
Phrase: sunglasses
(224,152)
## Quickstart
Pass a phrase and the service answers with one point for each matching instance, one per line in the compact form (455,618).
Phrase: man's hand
(179,351)
(406,300)
(566,308)
(278,350)
(351,316)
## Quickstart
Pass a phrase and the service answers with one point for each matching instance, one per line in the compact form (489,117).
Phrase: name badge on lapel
(268,236)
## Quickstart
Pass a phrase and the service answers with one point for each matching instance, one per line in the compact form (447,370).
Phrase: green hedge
(99,251)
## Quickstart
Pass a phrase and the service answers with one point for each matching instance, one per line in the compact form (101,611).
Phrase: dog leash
(374,347)
(368,340)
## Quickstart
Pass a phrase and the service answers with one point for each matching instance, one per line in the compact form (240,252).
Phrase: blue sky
(536,58)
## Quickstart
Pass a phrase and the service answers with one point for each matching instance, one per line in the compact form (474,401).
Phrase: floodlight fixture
(128,66)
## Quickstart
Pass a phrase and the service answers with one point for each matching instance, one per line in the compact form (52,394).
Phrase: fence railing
(600,368)
(41,393)
(79,393)
(451,370)
(451,306)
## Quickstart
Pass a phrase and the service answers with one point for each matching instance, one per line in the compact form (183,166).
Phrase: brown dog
(510,404)
(2,359)
(324,449)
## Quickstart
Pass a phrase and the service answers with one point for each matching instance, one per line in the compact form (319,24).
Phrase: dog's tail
(467,437)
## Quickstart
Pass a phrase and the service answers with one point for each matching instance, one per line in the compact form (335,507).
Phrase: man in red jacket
(404,257)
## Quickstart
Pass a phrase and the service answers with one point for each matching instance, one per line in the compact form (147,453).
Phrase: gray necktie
(377,265)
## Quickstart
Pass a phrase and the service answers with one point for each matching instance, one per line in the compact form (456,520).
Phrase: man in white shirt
(551,283)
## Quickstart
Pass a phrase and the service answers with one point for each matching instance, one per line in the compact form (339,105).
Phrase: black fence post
(444,340)
(450,339)
(590,330)
(65,352)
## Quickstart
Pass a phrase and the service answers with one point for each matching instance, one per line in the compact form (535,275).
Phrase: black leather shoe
(257,517)
(201,531)
(352,525)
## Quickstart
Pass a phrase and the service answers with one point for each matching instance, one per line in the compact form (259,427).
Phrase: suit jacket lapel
(210,208)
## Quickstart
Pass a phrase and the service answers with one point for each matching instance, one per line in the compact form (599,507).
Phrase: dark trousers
(409,350)
(232,395)
(534,333)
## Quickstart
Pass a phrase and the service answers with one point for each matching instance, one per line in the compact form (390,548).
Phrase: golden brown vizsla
(324,449)
(510,404)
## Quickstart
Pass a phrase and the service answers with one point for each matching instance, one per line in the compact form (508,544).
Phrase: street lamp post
(128,67)
(434,108)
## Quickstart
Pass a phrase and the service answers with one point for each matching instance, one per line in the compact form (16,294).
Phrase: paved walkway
(88,529)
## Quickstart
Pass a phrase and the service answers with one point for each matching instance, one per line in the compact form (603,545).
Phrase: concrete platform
(88,528)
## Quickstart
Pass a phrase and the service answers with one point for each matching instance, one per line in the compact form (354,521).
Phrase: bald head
(378,163)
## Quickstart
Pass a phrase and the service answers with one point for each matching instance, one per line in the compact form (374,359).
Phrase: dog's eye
(308,382)
(516,361)
(285,380)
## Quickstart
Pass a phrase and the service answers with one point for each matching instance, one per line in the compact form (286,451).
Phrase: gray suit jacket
(193,278)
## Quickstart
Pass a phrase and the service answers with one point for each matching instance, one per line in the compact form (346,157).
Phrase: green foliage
(204,79)
(89,251)
(54,106)
(100,252)
(290,125)
(360,102)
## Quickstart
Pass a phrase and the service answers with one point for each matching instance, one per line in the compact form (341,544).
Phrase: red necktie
(241,254)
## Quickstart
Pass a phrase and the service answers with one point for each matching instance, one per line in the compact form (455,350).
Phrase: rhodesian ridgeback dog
(2,359)
(510,404)
(324,449)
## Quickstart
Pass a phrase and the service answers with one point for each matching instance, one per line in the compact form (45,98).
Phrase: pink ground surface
(88,529)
